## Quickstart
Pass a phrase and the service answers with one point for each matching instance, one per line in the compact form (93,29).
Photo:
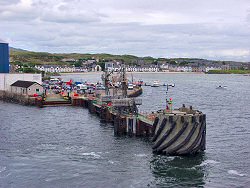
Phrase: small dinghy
(221,87)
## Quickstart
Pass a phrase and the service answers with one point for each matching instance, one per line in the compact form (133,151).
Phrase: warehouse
(4,57)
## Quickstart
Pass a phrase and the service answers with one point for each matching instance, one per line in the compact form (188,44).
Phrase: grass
(229,72)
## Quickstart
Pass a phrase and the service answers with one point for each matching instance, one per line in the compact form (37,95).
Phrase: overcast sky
(212,29)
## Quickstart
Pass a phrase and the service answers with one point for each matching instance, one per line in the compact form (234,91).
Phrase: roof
(24,84)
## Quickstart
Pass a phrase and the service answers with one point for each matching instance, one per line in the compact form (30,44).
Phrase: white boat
(156,84)
(130,87)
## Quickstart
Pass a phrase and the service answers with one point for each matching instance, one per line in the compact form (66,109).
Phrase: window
(37,90)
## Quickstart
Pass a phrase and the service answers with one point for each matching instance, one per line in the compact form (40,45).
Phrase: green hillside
(39,58)
(18,56)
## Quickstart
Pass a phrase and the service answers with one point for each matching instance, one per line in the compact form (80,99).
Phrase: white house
(57,68)
(26,87)
(183,69)
(98,68)
(164,67)
(148,68)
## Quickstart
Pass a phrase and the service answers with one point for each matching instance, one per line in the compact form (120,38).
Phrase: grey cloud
(9,2)
(248,17)
(69,18)
(169,28)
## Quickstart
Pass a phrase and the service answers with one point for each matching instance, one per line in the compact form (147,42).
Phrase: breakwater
(17,98)
(180,132)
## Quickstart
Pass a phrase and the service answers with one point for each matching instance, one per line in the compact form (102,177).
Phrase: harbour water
(68,147)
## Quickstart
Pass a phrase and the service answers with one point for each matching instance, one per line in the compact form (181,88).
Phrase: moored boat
(156,83)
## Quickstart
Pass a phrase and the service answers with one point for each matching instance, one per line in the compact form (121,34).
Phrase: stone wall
(16,98)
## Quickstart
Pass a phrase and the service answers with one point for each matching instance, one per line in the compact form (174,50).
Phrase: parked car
(100,87)
(90,89)
(81,87)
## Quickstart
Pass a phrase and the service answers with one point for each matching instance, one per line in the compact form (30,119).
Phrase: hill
(40,58)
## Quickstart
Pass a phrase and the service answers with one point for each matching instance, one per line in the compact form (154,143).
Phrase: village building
(143,68)
(195,69)
(109,66)
(114,66)
(212,68)
(81,69)
(97,68)
(57,68)
(164,67)
(117,67)
(172,68)
(26,87)
(225,67)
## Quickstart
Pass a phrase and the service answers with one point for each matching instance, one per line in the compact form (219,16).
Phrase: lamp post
(169,102)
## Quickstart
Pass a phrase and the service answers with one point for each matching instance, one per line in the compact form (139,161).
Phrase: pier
(180,132)
(172,131)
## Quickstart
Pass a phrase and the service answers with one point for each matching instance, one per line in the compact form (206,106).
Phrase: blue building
(4,57)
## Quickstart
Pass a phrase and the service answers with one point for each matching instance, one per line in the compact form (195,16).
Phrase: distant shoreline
(67,73)
(229,72)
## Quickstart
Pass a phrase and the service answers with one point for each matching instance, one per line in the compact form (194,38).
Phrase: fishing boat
(156,84)
(130,86)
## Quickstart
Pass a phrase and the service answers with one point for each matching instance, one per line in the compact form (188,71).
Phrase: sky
(211,29)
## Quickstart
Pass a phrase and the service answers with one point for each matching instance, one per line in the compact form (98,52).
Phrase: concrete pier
(181,132)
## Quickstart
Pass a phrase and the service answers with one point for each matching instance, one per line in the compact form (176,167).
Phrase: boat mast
(124,82)
(105,78)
